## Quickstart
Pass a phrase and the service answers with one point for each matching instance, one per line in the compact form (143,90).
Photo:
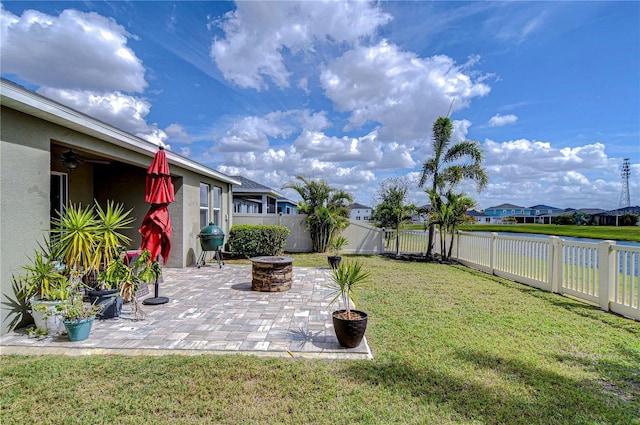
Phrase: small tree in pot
(349,324)
(336,243)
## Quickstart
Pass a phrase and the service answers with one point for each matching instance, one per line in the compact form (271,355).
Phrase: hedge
(252,240)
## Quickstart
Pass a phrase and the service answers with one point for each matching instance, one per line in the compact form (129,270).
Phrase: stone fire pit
(271,273)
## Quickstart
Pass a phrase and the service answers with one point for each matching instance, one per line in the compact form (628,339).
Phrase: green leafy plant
(346,279)
(336,243)
(75,310)
(41,280)
(76,233)
(127,278)
(326,209)
(111,222)
(250,240)
(89,238)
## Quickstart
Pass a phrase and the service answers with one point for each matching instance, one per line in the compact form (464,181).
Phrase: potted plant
(89,238)
(336,243)
(349,324)
(78,317)
(43,287)
(128,278)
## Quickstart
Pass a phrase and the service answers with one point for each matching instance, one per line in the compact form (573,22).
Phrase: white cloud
(72,51)
(125,112)
(80,60)
(176,131)
(528,172)
(500,120)
(257,34)
(396,88)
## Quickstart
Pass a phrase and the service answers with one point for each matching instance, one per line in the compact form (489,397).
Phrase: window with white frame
(59,193)
(217,205)
(204,204)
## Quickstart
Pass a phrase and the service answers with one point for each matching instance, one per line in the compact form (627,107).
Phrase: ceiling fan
(71,160)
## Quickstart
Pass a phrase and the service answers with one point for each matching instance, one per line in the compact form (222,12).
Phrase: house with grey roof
(250,197)
(359,212)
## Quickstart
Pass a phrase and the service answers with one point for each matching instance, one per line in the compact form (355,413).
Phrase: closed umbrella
(156,226)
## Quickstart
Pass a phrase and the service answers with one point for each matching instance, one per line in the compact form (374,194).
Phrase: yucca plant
(111,222)
(346,279)
(41,278)
(76,234)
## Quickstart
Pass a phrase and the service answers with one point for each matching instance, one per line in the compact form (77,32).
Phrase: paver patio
(213,310)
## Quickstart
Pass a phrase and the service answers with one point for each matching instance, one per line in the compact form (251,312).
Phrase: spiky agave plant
(346,279)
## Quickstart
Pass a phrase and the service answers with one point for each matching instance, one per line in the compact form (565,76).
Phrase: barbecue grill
(211,239)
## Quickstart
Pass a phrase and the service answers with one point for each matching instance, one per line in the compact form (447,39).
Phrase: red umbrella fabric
(159,192)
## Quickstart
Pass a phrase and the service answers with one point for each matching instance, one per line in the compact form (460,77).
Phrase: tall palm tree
(450,164)
(448,212)
(327,209)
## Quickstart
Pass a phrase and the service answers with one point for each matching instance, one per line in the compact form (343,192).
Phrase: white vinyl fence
(604,273)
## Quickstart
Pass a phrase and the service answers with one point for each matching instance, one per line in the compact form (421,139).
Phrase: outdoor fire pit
(272,273)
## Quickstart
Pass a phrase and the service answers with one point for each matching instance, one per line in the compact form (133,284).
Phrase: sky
(348,91)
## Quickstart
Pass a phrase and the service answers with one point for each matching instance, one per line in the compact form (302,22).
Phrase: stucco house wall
(34,132)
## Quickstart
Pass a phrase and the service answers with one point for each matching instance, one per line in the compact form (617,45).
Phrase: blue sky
(348,92)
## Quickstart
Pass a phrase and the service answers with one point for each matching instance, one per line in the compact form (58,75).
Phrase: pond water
(567,238)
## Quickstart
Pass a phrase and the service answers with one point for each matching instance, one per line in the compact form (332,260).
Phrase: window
(59,194)
(217,205)
(204,205)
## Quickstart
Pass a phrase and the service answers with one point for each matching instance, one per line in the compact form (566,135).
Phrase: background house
(359,212)
(286,206)
(53,155)
(530,215)
(251,197)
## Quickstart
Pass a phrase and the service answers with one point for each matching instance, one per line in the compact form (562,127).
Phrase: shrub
(250,240)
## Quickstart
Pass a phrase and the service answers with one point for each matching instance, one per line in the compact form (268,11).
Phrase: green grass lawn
(451,346)
(628,233)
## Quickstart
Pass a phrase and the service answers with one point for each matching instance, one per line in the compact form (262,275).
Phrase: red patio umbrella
(156,226)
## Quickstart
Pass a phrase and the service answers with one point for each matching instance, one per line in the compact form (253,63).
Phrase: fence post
(493,254)
(554,264)
(606,275)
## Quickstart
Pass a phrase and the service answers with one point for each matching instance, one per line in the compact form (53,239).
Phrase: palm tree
(447,167)
(327,209)
(448,214)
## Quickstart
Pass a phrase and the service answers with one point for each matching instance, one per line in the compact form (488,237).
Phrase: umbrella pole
(156,300)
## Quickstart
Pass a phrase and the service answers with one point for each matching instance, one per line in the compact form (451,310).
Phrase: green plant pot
(80,330)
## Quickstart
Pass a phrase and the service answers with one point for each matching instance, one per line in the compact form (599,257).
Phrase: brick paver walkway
(213,310)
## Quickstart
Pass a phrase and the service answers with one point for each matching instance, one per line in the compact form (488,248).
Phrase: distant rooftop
(249,186)
(357,206)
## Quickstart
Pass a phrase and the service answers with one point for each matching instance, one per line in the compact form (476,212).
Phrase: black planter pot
(99,294)
(350,332)
(334,261)
(109,300)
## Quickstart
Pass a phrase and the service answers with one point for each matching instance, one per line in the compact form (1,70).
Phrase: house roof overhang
(26,101)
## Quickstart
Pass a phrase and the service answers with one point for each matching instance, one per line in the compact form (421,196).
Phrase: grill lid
(211,230)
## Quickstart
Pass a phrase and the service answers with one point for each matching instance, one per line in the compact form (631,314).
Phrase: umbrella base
(155,301)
